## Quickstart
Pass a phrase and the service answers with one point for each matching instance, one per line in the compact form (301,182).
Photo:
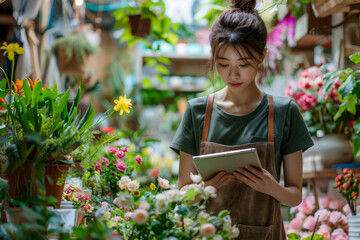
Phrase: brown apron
(256,214)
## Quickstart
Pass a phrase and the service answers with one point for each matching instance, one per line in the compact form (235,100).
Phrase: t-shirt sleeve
(296,135)
(184,139)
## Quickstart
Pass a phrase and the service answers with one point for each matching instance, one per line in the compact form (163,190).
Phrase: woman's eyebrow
(239,59)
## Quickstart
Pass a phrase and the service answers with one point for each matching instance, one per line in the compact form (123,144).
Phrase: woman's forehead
(231,52)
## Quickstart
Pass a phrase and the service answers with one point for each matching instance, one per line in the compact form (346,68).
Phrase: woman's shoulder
(284,102)
(198,103)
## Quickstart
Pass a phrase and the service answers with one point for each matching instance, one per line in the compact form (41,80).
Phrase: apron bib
(256,214)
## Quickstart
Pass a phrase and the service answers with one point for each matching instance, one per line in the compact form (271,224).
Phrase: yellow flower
(136,193)
(152,186)
(123,104)
(11,49)
(137,181)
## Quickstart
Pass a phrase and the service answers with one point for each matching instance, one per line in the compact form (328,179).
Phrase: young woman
(242,116)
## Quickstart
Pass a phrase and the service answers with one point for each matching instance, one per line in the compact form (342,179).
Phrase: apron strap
(271,119)
(207,117)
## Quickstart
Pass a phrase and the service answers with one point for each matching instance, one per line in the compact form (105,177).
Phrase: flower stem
(6,77)
(322,122)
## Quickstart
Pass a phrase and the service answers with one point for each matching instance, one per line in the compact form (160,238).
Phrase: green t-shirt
(291,133)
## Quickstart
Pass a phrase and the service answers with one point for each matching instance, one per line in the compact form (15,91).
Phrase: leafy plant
(295,236)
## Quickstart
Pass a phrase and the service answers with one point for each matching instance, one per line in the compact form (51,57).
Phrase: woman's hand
(258,179)
(221,179)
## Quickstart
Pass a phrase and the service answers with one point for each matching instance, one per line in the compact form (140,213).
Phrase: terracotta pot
(15,216)
(55,171)
(331,149)
(139,26)
(72,67)
(80,216)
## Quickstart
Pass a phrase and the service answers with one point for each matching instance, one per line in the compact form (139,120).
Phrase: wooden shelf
(177,56)
(323,8)
(182,88)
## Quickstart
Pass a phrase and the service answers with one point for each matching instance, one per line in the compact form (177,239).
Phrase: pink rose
(306,208)
(105,160)
(323,215)
(335,217)
(164,183)
(114,150)
(138,159)
(296,224)
(121,166)
(324,232)
(128,216)
(104,204)
(301,216)
(120,154)
(207,230)
(346,209)
(309,223)
(98,166)
(124,149)
(140,216)
(336,204)
(324,202)
(339,235)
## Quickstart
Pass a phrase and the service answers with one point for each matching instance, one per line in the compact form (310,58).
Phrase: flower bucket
(139,26)
(55,171)
(331,149)
(70,67)
(354,227)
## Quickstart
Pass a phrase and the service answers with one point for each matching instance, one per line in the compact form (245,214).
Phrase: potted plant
(319,103)
(145,20)
(72,50)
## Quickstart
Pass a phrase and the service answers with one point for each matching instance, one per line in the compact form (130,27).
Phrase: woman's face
(236,71)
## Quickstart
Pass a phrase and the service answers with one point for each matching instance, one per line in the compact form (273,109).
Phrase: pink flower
(128,216)
(339,236)
(306,208)
(140,216)
(324,202)
(309,223)
(290,230)
(305,234)
(323,215)
(117,219)
(98,166)
(296,224)
(120,154)
(124,149)
(105,160)
(154,172)
(324,232)
(121,166)
(164,183)
(335,217)
(104,204)
(346,209)
(336,204)
(301,216)
(127,208)
(114,150)
(207,230)
(138,159)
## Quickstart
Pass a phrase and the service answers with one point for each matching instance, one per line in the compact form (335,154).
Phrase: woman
(242,116)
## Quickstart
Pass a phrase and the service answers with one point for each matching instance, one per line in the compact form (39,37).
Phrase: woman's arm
(263,181)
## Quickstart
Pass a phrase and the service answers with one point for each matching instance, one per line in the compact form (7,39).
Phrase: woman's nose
(234,71)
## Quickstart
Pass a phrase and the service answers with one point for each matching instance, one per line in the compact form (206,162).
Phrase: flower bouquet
(348,186)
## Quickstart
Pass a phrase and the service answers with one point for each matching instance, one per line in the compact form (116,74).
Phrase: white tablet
(209,164)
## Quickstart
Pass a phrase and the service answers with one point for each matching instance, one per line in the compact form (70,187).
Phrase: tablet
(209,164)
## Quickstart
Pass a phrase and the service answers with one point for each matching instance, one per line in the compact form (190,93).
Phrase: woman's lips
(235,84)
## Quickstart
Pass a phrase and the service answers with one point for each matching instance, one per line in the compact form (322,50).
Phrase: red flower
(345,186)
(350,175)
(358,180)
(351,122)
(354,195)
(154,172)
(107,129)
(339,178)
(338,184)
(346,171)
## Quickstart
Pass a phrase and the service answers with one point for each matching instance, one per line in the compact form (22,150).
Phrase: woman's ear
(263,55)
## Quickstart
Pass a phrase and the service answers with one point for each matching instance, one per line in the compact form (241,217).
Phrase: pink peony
(296,224)
(323,215)
(335,217)
(98,166)
(324,202)
(309,223)
(324,232)
(336,204)
(121,166)
(138,159)
(105,160)
(114,150)
(339,235)
(301,216)
(140,216)
(306,208)
(120,154)
(164,183)
(104,204)
(207,230)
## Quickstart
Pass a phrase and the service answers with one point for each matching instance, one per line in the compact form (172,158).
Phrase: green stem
(6,77)
(322,122)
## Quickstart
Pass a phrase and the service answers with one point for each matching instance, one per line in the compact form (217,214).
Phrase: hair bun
(244,5)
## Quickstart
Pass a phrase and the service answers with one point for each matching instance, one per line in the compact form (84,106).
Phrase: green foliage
(74,44)
(295,236)
(161,27)
(137,138)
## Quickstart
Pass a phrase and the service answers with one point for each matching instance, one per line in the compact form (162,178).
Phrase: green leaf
(331,108)
(355,58)
(162,69)
(190,194)
(3,84)
(347,87)
(356,149)
(357,126)
(147,83)
(164,60)
(182,210)
(27,91)
(351,107)
(342,108)
(36,94)
(157,227)
(293,236)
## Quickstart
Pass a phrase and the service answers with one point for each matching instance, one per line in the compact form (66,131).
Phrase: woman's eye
(223,65)
(244,65)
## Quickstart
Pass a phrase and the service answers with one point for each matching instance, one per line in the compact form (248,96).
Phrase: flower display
(332,217)
(317,105)
(80,201)
(348,186)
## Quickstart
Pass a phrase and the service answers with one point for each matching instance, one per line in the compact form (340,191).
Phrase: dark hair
(240,26)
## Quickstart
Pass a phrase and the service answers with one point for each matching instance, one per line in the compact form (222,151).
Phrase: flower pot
(331,149)
(70,67)
(14,215)
(79,216)
(354,227)
(55,171)
(139,26)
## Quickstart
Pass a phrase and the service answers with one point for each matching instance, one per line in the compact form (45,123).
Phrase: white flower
(122,201)
(210,191)
(133,185)
(164,183)
(161,203)
(173,194)
(188,222)
(140,216)
(124,181)
(197,187)
(195,178)
(144,205)
(227,219)
(217,237)
(234,233)
(204,216)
